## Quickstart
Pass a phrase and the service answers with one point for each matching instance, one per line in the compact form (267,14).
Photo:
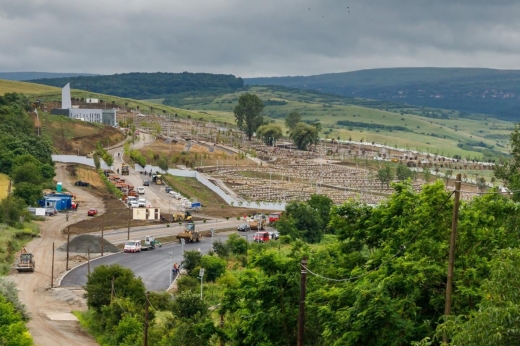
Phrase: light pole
(171,266)
(270,173)
(212,233)
(182,246)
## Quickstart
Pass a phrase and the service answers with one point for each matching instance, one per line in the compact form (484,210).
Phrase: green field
(437,135)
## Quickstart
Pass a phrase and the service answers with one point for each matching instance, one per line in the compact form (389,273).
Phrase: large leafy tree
(385,175)
(509,171)
(99,286)
(269,133)
(301,221)
(263,304)
(248,113)
(292,119)
(304,135)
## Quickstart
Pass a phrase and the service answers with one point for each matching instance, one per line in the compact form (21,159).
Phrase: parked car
(146,183)
(50,211)
(132,246)
(244,228)
(274,235)
(134,204)
(92,212)
(167,189)
(261,237)
(81,183)
(140,190)
(141,202)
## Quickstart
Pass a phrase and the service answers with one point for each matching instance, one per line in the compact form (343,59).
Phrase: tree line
(149,85)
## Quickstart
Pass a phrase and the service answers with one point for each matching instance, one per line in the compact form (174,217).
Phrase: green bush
(111,187)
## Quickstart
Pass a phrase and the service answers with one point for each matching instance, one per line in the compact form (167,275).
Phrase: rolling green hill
(437,131)
(474,90)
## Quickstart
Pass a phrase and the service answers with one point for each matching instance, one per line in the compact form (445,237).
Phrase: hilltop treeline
(474,90)
(149,85)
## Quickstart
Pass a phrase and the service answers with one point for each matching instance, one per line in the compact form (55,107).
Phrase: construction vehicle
(26,262)
(257,223)
(125,170)
(182,216)
(157,178)
(189,234)
(149,243)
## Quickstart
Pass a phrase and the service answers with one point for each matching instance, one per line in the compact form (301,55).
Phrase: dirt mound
(83,242)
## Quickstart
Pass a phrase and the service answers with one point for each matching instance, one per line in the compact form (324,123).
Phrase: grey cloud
(259,38)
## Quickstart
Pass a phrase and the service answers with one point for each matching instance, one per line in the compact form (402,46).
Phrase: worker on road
(24,250)
(67,216)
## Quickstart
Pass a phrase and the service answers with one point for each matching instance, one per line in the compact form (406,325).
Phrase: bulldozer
(182,216)
(26,263)
(189,234)
(257,223)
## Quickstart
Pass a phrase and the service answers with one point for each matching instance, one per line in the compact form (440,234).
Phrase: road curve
(152,266)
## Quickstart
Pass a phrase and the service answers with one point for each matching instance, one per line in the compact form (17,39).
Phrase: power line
(401,250)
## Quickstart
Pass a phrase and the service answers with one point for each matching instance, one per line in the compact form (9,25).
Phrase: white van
(140,190)
(130,200)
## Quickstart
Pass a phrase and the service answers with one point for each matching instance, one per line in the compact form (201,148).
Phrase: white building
(104,116)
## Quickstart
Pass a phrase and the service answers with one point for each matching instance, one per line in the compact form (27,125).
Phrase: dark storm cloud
(260,38)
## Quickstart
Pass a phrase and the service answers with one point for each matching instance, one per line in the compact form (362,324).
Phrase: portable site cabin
(57,201)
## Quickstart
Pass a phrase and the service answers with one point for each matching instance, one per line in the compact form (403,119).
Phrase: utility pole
(102,232)
(303,286)
(454,221)
(221,327)
(88,258)
(129,216)
(146,321)
(68,242)
(52,267)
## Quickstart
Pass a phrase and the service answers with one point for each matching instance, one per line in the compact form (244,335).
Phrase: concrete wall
(203,180)
(78,159)
(146,213)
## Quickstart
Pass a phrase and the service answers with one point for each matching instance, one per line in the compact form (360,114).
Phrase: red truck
(275,216)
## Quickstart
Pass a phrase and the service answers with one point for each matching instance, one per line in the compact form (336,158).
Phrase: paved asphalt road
(152,266)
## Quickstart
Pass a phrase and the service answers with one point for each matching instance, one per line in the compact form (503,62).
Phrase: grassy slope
(11,241)
(329,113)
(7,86)
(4,185)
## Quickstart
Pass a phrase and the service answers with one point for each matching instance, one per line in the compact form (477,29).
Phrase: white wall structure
(146,213)
(203,180)
(90,115)
(66,103)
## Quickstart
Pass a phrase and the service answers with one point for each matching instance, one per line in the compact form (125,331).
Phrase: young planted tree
(248,113)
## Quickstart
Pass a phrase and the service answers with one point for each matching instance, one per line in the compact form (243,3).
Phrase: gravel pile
(82,242)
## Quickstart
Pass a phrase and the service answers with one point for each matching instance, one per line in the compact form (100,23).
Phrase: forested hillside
(150,85)
(487,91)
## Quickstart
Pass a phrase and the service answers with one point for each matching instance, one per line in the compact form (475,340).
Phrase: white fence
(78,159)
(203,180)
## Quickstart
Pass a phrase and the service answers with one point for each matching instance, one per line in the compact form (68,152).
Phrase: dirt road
(51,320)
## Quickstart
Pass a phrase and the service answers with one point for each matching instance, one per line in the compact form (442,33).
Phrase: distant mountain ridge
(29,76)
(475,90)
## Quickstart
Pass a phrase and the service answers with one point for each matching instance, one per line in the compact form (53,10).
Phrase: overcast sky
(251,38)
